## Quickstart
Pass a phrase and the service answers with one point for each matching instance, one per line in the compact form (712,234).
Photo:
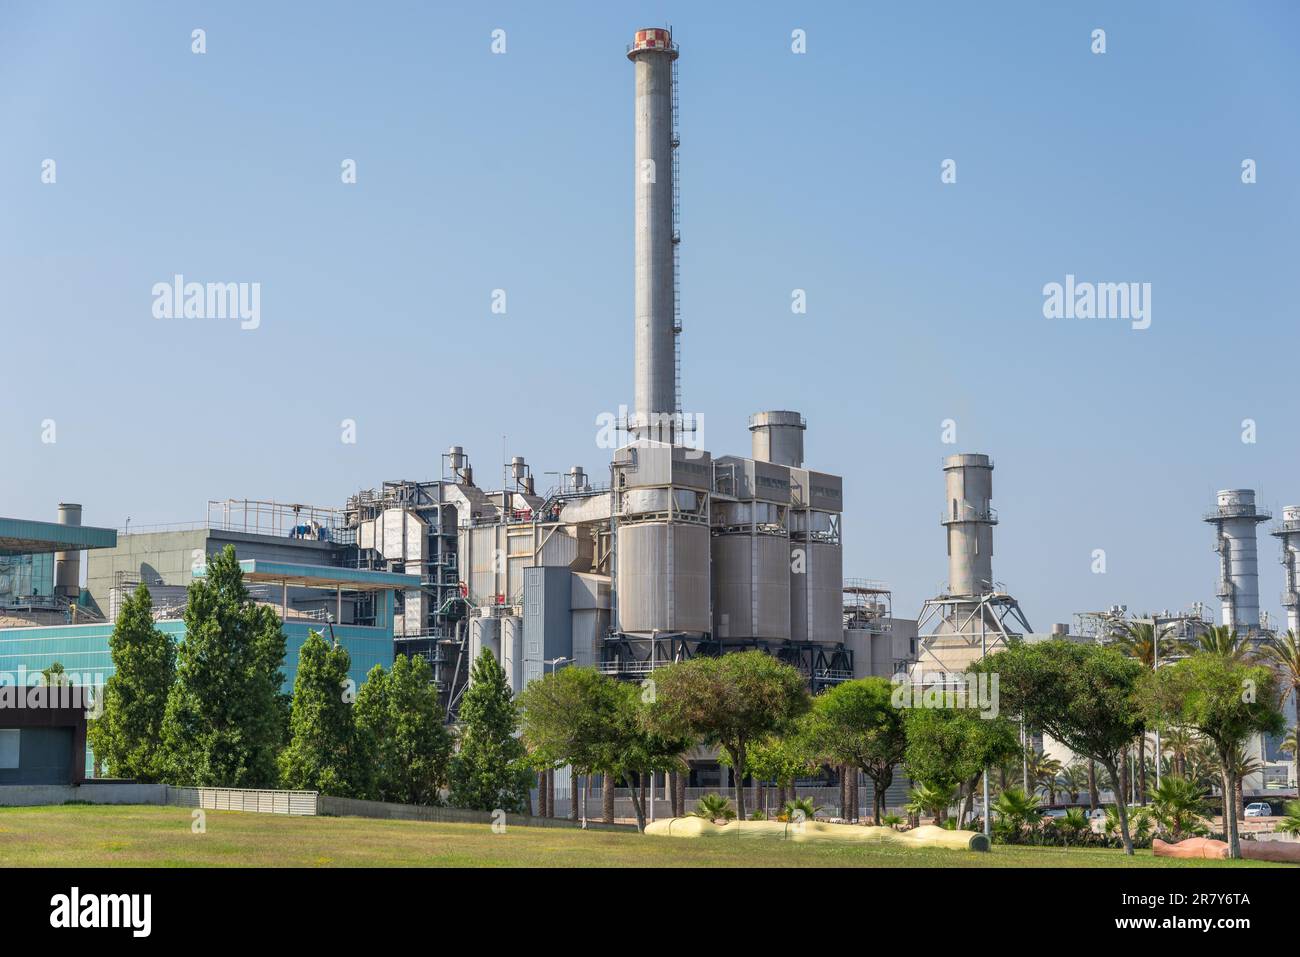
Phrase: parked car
(1054,812)
(1259,809)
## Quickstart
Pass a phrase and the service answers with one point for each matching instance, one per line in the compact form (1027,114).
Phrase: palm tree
(1202,765)
(1074,823)
(929,800)
(1223,641)
(1290,823)
(1178,807)
(1042,774)
(1138,640)
(801,809)
(1283,653)
(1073,780)
(1016,811)
(1240,766)
(1289,744)
(714,807)
(1139,823)
(1177,741)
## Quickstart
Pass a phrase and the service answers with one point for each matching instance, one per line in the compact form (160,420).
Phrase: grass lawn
(127,836)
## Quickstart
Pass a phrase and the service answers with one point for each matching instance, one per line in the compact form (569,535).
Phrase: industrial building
(664,552)
(46,616)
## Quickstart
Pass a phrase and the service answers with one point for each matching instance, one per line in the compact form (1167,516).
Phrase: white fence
(827,799)
(238,799)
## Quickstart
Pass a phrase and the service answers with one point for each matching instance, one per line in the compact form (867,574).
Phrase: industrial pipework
(1234,522)
(1288,534)
(653,53)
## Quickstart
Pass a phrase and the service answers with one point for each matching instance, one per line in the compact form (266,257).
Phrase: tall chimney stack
(1235,519)
(969,517)
(653,53)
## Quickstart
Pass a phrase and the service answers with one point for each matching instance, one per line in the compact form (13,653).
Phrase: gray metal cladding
(663,577)
(751,586)
(816,593)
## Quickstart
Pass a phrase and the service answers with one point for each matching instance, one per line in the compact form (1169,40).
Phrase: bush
(714,807)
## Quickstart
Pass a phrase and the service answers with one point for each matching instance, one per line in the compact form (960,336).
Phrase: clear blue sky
(817,171)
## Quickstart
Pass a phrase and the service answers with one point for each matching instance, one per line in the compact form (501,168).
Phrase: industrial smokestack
(969,518)
(653,53)
(1289,535)
(67,565)
(1234,522)
(777,437)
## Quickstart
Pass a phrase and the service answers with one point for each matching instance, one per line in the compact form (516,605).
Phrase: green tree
(1073,780)
(1241,765)
(1223,699)
(856,723)
(1178,807)
(579,717)
(1138,640)
(1084,696)
(489,771)
(565,720)
(1283,653)
(636,745)
(780,758)
(949,748)
(226,717)
(54,675)
(399,721)
(731,701)
(1042,773)
(326,751)
(127,736)
(930,799)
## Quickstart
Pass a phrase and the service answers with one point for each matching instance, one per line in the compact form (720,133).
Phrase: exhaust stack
(653,52)
(67,565)
(969,518)
(777,437)
(1234,522)
(1288,533)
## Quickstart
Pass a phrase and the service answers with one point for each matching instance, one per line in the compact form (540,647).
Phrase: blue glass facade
(26,576)
(83,649)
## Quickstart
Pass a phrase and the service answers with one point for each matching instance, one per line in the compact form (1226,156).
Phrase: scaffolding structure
(987,622)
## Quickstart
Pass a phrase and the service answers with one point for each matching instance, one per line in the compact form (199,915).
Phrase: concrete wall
(20,795)
(171,556)
(349,807)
